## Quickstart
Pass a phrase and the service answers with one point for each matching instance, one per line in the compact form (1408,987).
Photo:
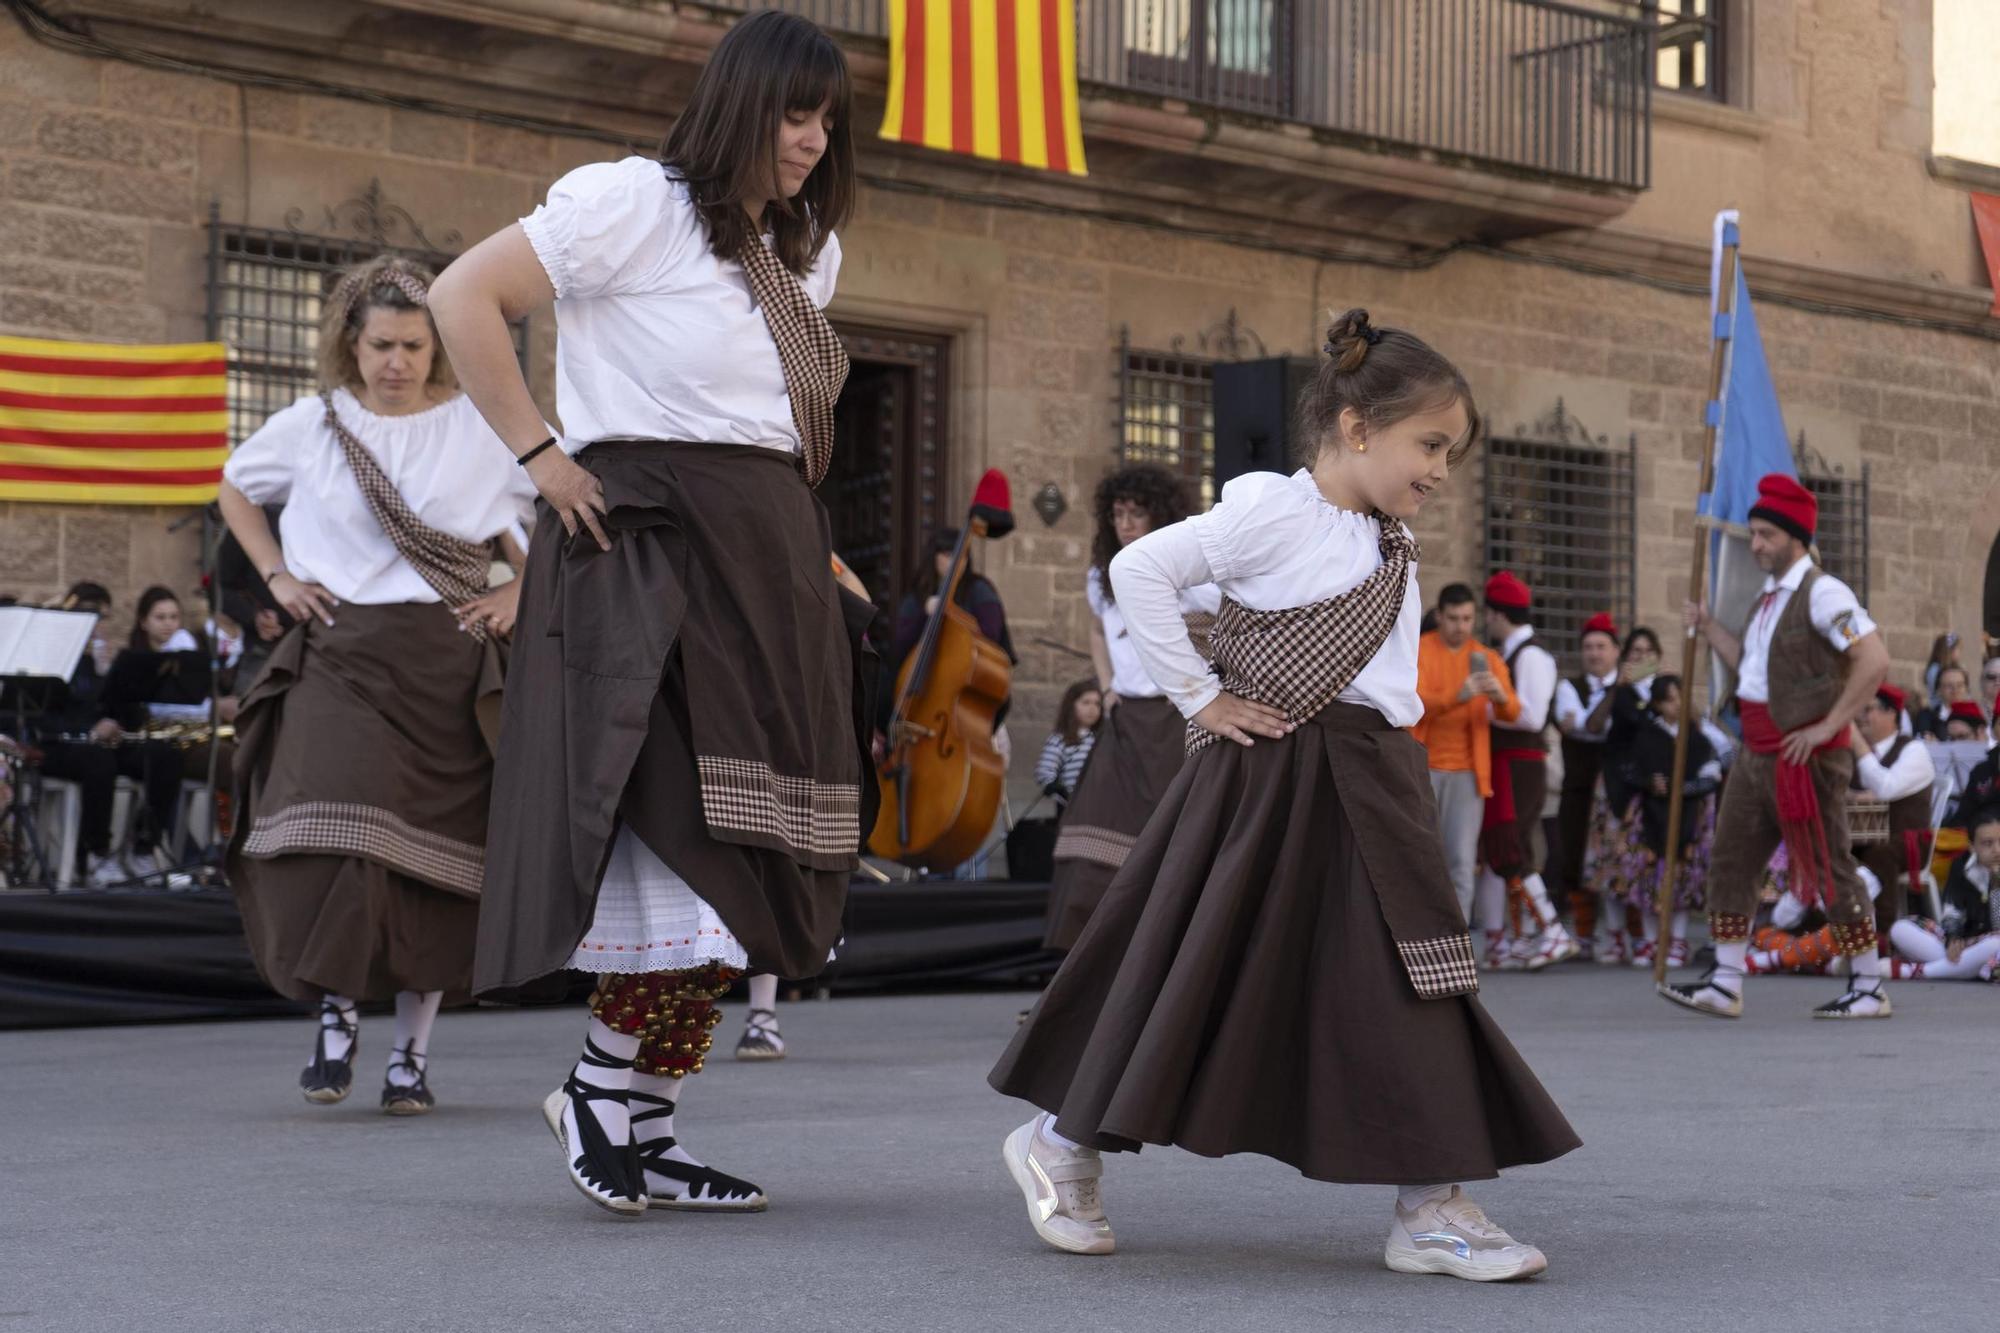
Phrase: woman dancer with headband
(683,644)
(364,770)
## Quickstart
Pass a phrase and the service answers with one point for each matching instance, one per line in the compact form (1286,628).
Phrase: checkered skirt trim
(745,800)
(1089,842)
(1300,658)
(345,828)
(815,362)
(1441,967)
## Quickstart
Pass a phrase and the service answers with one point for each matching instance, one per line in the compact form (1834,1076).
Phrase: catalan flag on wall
(102,423)
(989,78)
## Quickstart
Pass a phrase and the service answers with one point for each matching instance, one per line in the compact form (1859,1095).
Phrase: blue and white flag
(1750,443)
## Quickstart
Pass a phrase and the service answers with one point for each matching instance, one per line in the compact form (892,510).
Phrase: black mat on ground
(78,959)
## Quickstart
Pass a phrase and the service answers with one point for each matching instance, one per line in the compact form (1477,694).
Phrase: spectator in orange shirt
(1464,689)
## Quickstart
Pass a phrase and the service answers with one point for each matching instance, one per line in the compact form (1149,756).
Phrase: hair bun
(1348,339)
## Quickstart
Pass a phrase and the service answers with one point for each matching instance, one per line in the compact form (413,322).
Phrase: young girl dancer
(1138,745)
(685,739)
(1282,966)
(1648,771)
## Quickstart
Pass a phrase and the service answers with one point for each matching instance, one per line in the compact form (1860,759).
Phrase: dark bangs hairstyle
(1385,375)
(725,144)
(1154,489)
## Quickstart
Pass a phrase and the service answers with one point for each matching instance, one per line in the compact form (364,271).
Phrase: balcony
(1532,86)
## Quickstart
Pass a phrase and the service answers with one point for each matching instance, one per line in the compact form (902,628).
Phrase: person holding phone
(1464,690)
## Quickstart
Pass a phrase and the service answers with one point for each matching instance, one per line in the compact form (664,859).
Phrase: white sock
(1411,1197)
(1490,902)
(612,1116)
(1729,959)
(659,1127)
(415,1012)
(1866,971)
(1048,1132)
(1680,927)
(764,995)
(338,1047)
(1538,894)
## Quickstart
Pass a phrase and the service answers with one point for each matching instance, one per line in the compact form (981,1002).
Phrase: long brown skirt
(1238,990)
(365,776)
(1139,748)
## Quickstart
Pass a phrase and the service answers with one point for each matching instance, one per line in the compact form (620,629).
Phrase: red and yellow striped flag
(989,78)
(99,423)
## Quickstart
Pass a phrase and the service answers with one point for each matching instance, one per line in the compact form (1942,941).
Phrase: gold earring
(1360,448)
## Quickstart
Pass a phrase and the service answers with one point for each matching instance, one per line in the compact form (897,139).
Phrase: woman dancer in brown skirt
(1138,748)
(1282,967)
(364,771)
(685,740)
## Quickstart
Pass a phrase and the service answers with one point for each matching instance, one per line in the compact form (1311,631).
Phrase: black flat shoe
(691,1188)
(325,1081)
(411,1098)
(608,1176)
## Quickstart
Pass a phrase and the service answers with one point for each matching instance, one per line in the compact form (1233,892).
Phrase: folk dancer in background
(1806,663)
(1512,892)
(1583,716)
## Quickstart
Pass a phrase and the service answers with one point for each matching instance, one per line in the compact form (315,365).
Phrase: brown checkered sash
(458,569)
(1301,658)
(815,362)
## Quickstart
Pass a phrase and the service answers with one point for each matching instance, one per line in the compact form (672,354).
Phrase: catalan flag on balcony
(102,423)
(989,78)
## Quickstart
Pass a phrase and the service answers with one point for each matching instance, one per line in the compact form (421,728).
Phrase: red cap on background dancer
(993,501)
(1504,590)
(1782,501)
(1896,699)
(1967,711)
(1601,623)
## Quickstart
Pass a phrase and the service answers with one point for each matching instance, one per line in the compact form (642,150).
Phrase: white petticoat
(649,920)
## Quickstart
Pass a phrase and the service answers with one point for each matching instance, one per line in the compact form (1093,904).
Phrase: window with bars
(1842,535)
(1167,416)
(1688,45)
(1562,517)
(266,291)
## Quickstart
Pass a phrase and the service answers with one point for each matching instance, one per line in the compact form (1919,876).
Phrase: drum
(1867,820)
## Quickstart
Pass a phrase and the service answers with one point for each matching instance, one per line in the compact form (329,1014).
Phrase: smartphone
(1478,662)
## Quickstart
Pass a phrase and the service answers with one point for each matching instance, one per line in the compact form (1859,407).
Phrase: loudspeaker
(1254,405)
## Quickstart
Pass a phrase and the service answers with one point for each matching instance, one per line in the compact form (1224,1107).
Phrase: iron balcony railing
(1553,88)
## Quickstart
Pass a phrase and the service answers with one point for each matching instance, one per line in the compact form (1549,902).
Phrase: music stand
(39,652)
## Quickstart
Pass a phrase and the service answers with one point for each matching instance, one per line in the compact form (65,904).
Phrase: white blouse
(657,338)
(1129,677)
(445,462)
(1271,543)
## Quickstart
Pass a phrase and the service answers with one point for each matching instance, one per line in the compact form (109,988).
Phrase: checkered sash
(1301,658)
(815,362)
(456,568)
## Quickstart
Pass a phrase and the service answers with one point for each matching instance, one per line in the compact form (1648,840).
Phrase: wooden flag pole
(1690,647)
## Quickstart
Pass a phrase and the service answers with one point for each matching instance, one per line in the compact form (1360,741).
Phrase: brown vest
(1806,673)
(1507,738)
(1911,814)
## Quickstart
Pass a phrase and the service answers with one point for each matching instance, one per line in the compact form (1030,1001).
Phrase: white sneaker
(1060,1185)
(1452,1236)
(1556,945)
(105,871)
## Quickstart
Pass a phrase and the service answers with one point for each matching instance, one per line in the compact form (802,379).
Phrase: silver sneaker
(1060,1185)
(1452,1236)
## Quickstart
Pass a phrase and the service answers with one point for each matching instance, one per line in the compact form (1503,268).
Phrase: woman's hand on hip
(571,490)
(1239,720)
(495,612)
(303,601)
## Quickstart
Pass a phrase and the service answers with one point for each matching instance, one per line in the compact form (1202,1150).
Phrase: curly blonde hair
(387,282)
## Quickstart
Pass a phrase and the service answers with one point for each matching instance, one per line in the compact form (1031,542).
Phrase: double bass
(941,777)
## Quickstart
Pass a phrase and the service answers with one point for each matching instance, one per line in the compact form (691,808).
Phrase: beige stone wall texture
(109,170)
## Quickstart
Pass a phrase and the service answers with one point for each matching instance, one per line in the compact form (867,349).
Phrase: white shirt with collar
(1573,709)
(1534,673)
(1836,613)
(1912,772)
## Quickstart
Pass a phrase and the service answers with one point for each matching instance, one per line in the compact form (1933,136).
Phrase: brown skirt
(1238,990)
(365,780)
(1139,749)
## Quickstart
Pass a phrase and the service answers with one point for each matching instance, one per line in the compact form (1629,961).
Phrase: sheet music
(1956,759)
(37,642)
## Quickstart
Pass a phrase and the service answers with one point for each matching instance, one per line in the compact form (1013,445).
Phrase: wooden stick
(1690,647)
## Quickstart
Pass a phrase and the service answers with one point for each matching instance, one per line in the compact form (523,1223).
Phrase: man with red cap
(1806,664)
(1897,770)
(1583,716)
(1512,877)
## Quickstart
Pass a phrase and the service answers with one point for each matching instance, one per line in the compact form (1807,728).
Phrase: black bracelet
(529,457)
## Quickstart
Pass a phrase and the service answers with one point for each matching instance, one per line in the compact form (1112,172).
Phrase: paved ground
(1773,1174)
